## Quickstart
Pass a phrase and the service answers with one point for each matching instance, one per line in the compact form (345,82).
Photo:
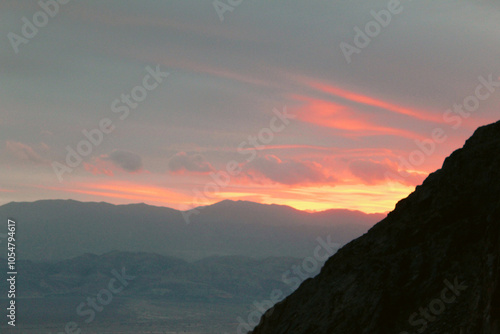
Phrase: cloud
(194,163)
(126,160)
(361,99)
(373,172)
(24,152)
(98,168)
(289,172)
(335,115)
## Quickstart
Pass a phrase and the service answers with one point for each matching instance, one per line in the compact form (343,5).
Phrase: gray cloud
(128,161)
(289,172)
(183,162)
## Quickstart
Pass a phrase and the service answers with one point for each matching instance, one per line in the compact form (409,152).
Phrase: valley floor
(130,315)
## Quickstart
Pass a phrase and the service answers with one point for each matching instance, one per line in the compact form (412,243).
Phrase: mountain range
(50,230)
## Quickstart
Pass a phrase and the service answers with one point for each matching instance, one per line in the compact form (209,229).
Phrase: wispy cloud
(24,152)
(335,115)
(343,94)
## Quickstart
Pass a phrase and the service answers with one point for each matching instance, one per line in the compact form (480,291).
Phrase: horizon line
(200,206)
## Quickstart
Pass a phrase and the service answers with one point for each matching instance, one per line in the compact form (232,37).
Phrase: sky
(316,105)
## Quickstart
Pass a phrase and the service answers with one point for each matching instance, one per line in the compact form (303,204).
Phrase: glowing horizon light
(368,199)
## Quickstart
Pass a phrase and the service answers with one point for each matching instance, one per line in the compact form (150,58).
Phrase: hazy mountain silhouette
(431,266)
(61,229)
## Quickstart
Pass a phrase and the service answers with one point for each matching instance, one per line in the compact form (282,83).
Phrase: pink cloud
(370,100)
(330,114)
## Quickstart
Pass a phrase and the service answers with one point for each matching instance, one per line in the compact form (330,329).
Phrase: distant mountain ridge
(431,266)
(61,229)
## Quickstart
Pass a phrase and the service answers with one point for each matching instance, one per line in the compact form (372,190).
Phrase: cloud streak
(330,114)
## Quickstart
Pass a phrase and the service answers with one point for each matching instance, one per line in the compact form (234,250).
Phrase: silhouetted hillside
(431,266)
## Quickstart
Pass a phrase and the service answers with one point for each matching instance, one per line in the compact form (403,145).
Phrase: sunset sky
(350,123)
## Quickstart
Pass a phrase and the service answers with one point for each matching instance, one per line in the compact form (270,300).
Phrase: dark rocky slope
(395,278)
